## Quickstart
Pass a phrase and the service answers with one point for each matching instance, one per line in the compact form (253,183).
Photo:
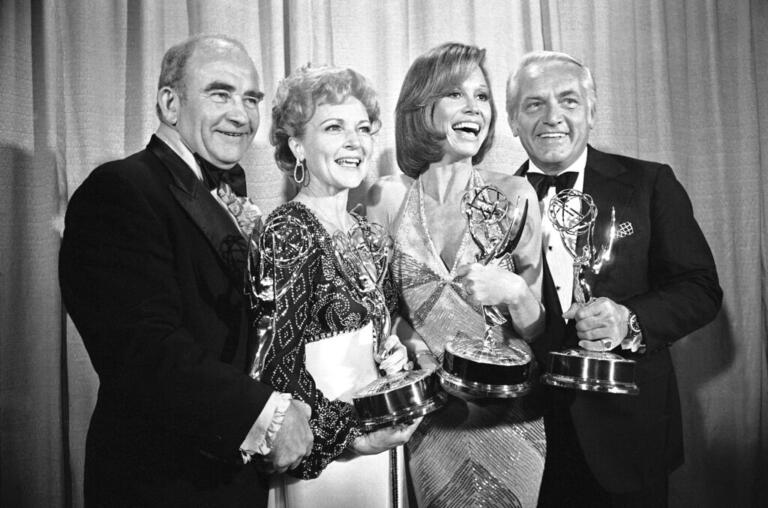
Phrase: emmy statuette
(363,255)
(282,243)
(573,214)
(488,366)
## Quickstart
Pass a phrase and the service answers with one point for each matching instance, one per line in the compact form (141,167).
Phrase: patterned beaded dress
(484,453)
(322,353)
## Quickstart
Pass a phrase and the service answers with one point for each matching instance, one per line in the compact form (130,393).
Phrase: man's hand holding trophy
(591,367)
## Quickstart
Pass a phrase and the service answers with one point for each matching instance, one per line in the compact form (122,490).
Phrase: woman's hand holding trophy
(487,367)
(492,226)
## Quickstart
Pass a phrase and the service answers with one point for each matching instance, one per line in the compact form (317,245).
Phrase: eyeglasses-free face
(337,145)
(554,116)
(219,112)
(463,114)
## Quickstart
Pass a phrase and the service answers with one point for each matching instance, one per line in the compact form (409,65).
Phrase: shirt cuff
(262,434)
(634,344)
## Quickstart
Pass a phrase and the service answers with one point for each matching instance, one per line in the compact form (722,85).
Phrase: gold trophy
(573,214)
(487,366)
(363,254)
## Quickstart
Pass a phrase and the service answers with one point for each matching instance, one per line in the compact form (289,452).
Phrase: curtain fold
(759,39)
(679,82)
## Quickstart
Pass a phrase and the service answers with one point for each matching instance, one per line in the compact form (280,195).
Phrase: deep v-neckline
(473,181)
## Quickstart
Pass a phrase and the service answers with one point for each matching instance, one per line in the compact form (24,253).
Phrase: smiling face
(553,117)
(337,144)
(216,117)
(464,115)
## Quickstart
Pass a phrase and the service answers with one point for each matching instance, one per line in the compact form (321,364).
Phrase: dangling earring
(299,169)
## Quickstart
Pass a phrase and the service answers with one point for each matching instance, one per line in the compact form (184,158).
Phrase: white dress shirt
(559,260)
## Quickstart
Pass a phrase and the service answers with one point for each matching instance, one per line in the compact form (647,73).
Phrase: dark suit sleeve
(684,290)
(119,270)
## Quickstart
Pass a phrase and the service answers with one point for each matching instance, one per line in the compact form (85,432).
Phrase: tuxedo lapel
(609,184)
(207,213)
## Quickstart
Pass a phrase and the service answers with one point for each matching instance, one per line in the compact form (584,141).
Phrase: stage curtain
(680,82)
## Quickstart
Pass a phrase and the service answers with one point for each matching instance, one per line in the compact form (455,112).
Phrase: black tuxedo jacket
(151,272)
(665,273)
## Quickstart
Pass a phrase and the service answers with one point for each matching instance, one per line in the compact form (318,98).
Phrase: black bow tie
(542,182)
(214,176)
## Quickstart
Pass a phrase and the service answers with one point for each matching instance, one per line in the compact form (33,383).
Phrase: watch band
(633,326)
(633,340)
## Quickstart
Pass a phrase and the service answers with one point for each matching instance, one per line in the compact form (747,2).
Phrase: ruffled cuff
(262,435)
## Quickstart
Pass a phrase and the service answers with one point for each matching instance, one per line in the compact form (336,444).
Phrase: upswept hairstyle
(431,75)
(539,59)
(298,96)
(174,65)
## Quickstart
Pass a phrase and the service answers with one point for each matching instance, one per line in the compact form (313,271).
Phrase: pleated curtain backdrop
(682,82)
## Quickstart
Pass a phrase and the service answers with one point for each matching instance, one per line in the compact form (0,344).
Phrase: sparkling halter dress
(483,453)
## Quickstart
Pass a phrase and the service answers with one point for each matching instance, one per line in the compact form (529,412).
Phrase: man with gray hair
(151,270)
(661,284)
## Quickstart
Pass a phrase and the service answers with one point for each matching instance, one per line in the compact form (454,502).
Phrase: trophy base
(399,398)
(462,388)
(472,367)
(591,371)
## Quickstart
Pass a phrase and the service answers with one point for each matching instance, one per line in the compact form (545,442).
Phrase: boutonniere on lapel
(242,208)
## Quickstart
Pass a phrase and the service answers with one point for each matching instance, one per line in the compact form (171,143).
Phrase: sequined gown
(322,353)
(489,453)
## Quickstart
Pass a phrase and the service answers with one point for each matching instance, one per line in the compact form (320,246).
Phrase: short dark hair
(174,65)
(541,59)
(298,96)
(417,142)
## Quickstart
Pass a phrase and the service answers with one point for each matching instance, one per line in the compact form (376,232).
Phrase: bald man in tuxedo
(152,269)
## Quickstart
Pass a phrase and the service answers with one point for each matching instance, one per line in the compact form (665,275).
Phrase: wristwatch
(633,326)
(634,338)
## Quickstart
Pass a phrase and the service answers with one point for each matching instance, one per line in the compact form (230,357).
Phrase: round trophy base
(478,369)
(591,371)
(462,388)
(399,398)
